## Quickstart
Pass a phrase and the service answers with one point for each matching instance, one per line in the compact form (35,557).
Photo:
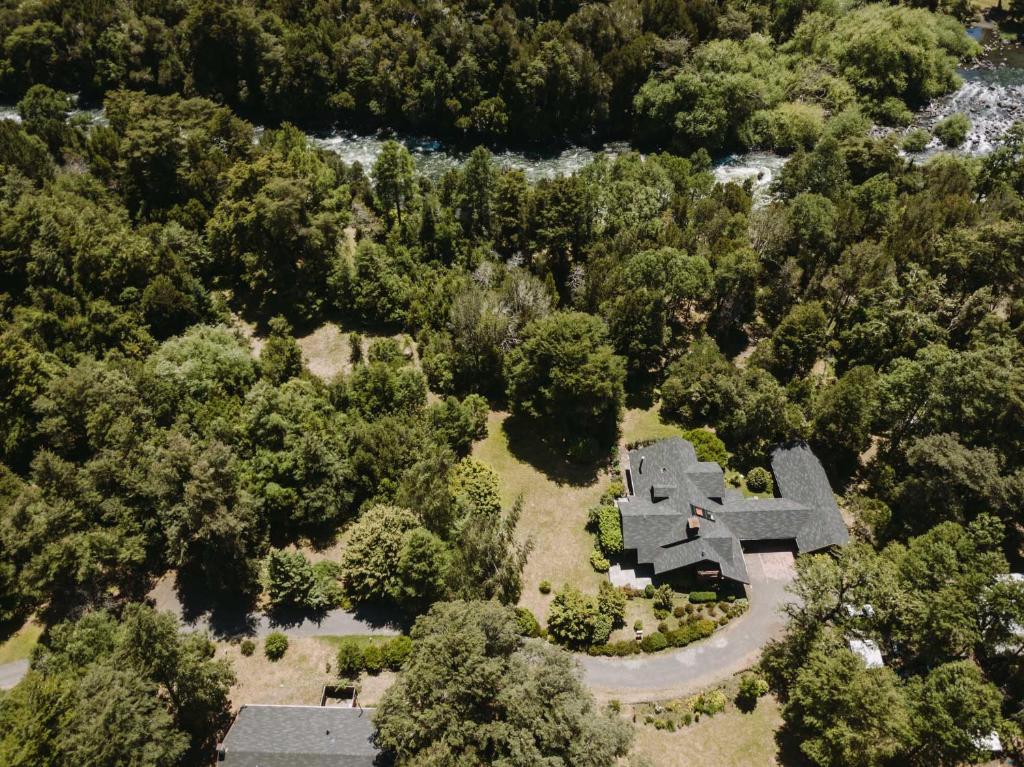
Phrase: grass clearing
(300,676)
(296,679)
(729,739)
(647,424)
(326,351)
(554,515)
(19,646)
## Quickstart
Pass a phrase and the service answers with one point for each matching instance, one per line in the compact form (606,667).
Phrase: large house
(678,514)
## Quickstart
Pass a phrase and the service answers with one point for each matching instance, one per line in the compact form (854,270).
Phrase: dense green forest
(874,306)
(672,73)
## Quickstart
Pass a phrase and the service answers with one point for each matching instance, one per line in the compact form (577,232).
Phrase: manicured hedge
(701,597)
(691,632)
(657,641)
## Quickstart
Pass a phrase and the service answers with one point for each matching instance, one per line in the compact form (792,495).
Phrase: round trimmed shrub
(638,625)
(545,587)
(373,659)
(650,591)
(529,626)
(247,647)
(759,480)
(654,642)
(396,651)
(350,658)
(275,645)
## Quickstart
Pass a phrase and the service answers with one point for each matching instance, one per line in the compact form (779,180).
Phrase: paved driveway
(11,673)
(232,624)
(730,650)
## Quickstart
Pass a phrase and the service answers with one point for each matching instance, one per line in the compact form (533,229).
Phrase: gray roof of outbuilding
(654,523)
(300,736)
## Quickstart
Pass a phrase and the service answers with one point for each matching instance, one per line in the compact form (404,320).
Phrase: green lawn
(19,646)
(554,516)
(647,424)
(363,640)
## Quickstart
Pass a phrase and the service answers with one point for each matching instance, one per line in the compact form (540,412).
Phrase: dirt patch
(372,688)
(326,351)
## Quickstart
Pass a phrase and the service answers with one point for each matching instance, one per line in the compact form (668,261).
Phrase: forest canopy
(676,73)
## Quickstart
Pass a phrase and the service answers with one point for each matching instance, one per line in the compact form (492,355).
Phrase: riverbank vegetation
(680,75)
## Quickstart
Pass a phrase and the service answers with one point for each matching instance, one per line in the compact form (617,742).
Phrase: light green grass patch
(640,425)
(554,516)
(363,640)
(729,739)
(19,646)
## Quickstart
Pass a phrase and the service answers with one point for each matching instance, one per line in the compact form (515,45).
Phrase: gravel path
(11,673)
(729,651)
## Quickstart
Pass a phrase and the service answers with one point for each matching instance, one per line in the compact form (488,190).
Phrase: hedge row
(700,597)
(658,640)
(355,656)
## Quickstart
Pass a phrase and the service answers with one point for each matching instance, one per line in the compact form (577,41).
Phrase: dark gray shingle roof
(300,736)
(669,484)
(799,475)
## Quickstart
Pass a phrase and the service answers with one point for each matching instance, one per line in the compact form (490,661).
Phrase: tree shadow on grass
(640,389)
(789,753)
(551,455)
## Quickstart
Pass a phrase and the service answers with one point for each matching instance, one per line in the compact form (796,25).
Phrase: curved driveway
(728,651)
(677,672)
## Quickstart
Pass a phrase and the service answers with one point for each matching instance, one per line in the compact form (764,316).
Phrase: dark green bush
(759,480)
(691,632)
(350,658)
(619,649)
(916,140)
(708,446)
(952,131)
(275,645)
(544,587)
(247,648)
(654,642)
(702,597)
(395,652)
(373,659)
(649,591)
(529,626)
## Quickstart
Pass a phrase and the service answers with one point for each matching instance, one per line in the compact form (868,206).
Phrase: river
(992,96)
